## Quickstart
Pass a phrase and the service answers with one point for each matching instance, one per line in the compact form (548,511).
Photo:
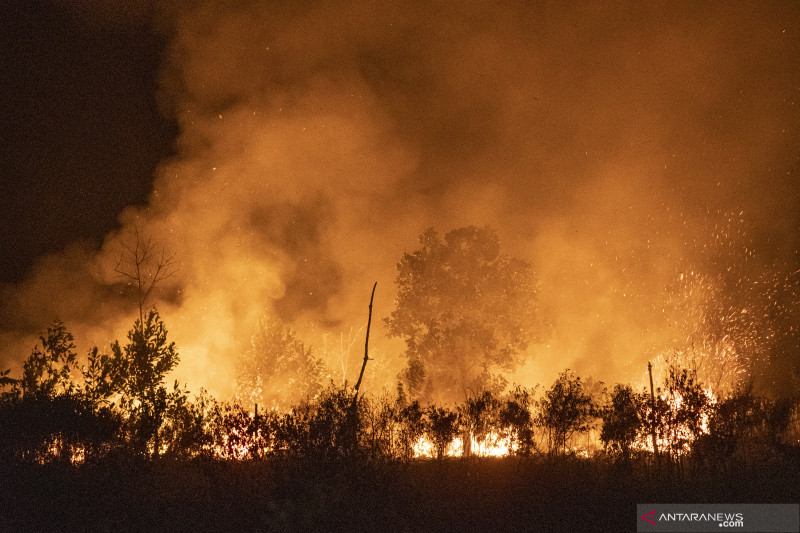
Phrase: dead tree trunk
(366,346)
(653,412)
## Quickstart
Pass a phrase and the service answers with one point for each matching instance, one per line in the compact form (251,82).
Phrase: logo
(652,515)
(717,517)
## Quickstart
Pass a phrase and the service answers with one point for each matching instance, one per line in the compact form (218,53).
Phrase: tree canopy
(49,370)
(565,409)
(277,369)
(466,311)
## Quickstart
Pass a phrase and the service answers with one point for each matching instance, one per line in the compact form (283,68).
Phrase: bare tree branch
(366,346)
(139,264)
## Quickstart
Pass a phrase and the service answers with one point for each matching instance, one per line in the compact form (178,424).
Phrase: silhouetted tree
(379,427)
(465,310)
(142,365)
(778,416)
(277,369)
(336,424)
(441,425)
(515,417)
(327,428)
(478,416)
(743,427)
(101,376)
(46,416)
(564,410)
(411,419)
(688,406)
(144,266)
(48,371)
(734,420)
(621,422)
(64,427)
(11,383)
(413,376)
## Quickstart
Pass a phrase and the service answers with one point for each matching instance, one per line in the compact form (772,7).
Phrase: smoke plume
(607,144)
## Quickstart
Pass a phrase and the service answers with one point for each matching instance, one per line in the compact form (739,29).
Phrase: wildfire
(678,436)
(493,445)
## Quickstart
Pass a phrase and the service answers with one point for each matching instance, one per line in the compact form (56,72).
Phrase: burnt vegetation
(106,436)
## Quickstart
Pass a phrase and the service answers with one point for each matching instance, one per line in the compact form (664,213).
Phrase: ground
(507,494)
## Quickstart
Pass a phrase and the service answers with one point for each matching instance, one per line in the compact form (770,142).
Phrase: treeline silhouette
(107,446)
(118,404)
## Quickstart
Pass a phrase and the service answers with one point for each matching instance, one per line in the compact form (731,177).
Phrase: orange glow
(316,143)
(495,445)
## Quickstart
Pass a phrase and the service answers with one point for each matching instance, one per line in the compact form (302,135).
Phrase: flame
(494,445)
(682,435)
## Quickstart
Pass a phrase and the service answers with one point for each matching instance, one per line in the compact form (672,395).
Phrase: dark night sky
(81,133)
